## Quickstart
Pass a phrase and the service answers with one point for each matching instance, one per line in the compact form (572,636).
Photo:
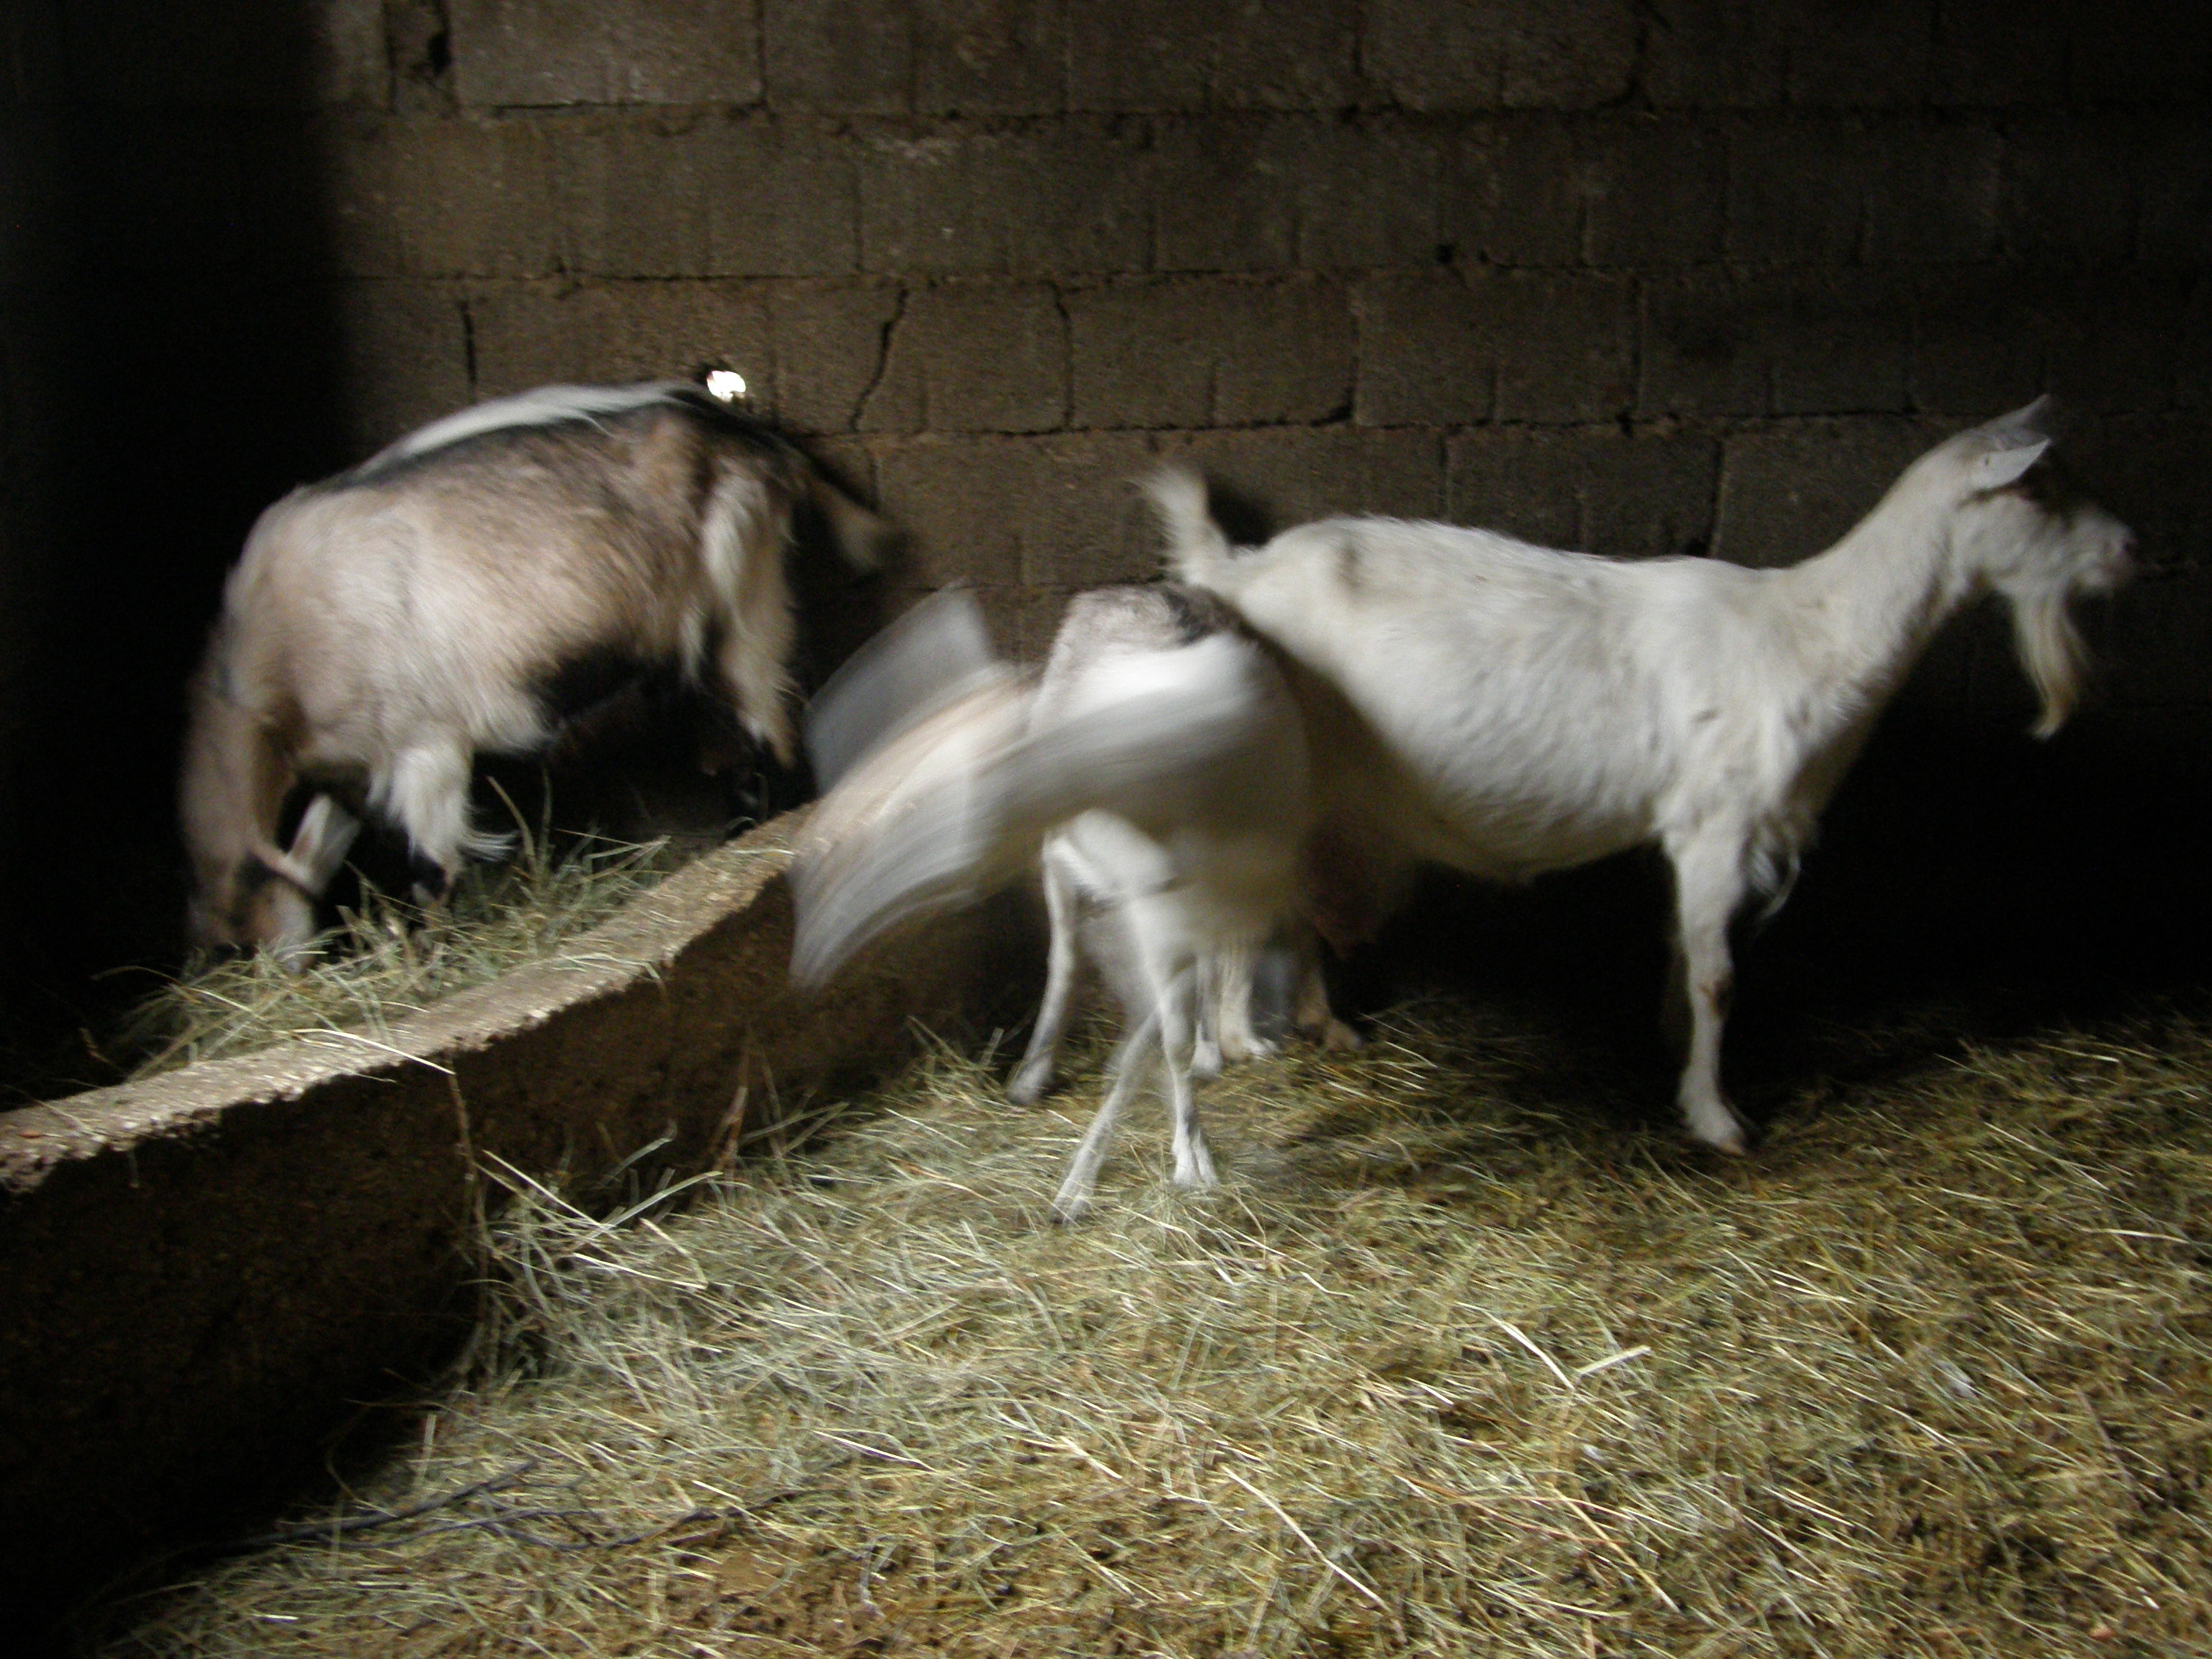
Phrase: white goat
(1506,710)
(386,626)
(1103,877)
(1159,764)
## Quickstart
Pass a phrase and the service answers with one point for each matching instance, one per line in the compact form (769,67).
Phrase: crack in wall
(884,339)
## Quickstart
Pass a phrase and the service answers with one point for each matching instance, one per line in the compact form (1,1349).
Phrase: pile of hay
(1462,1358)
(387,959)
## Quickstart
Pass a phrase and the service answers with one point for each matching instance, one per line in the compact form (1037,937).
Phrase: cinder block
(974,359)
(829,345)
(1209,351)
(1791,490)
(1267,479)
(1653,192)
(1223,198)
(1870,55)
(237,53)
(1062,201)
(1995,54)
(841,57)
(527,334)
(1510,54)
(2150,469)
(1798,193)
(1513,345)
(1937,195)
(1167,55)
(1597,490)
(441,197)
(2071,188)
(1717,54)
(509,52)
(736,198)
(990,57)
(1801,344)
(1368,193)
(1978,344)
(2137,54)
(1509,194)
(2152,641)
(2177,193)
(1988,341)
(2120,359)
(402,357)
(1566,345)
(1427,355)
(1019,511)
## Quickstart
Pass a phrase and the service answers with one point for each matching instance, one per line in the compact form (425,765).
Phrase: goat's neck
(1866,609)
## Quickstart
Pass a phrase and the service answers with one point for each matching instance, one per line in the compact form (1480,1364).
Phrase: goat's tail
(1198,552)
(862,538)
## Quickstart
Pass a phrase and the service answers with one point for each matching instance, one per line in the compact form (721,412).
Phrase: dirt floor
(1470,1353)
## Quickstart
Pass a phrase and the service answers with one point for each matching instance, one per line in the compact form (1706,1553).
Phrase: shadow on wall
(195,343)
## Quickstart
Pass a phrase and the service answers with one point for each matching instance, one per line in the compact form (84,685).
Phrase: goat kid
(1158,767)
(386,626)
(1506,709)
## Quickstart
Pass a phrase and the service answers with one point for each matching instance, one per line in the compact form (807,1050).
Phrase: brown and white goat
(385,627)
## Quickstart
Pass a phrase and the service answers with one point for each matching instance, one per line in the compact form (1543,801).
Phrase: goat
(1158,765)
(1099,881)
(386,626)
(1507,709)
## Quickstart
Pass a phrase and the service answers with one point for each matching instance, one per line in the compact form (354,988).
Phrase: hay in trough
(1463,1357)
(386,958)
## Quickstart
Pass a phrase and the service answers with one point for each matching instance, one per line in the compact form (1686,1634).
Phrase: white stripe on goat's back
(546,405)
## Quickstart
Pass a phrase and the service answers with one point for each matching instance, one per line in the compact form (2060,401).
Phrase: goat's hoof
(1338,1036)
(1067,1212)
(1027,1085)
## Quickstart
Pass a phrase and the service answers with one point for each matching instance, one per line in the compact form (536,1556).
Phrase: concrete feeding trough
(205,1275)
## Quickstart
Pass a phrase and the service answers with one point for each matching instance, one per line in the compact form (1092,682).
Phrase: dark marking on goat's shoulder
(1195,613)
(1348,570)
(582,682)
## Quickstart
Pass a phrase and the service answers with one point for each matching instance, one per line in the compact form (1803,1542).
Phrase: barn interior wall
(1646,277)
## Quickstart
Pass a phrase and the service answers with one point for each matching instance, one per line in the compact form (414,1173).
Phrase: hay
(387,959)
(1462,1358)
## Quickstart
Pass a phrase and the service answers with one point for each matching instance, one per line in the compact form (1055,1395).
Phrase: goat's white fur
(1507,709)
(385,627)
(1160,763)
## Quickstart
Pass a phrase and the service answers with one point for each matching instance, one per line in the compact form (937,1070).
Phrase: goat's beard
(2052,652)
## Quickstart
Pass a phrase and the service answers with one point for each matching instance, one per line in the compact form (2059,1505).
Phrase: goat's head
(251,903)
(263,897)
(2020,527)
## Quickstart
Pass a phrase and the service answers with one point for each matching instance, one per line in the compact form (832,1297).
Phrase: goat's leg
(427,793)
(1194,1165)
(1206,1048)
(1063,962)
(1311,1013)
(1232,999)
(1709,888)
(1072,1201)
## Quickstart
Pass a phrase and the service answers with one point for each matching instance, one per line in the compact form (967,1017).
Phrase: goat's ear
(2037,420)
(325,836)
(1996,468)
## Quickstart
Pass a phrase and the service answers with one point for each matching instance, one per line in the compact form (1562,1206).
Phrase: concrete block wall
(1683,276)
(1644,277)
